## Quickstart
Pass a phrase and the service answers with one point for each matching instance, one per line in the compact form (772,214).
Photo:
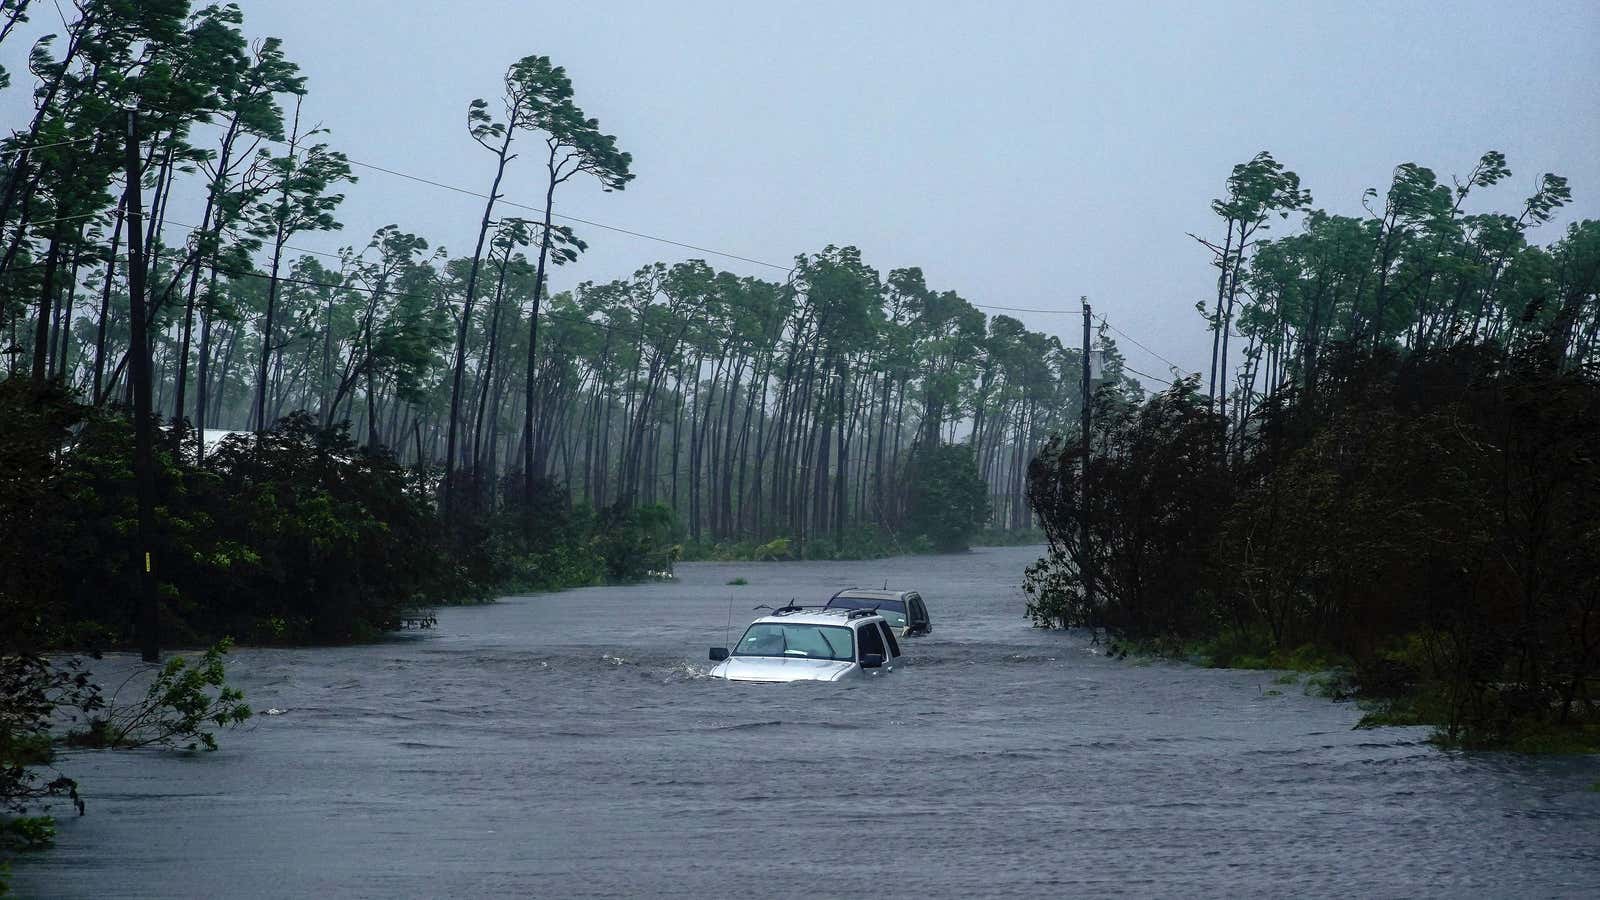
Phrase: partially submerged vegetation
(1401,488)
(47,704)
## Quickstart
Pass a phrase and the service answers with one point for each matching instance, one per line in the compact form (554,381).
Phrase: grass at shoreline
(1337,678)
(861,543)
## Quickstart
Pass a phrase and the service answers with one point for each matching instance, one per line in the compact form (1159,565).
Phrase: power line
(627,231)
(594,224)
(617,229)
(285,246)
(1023,309)
(289,279)
(638,234)
(15,151)
(345,286)
(553,214)
(1137,343)
(590,222)
(1129,368)
(31,223)
(513,203)
(620,230)
(579,320)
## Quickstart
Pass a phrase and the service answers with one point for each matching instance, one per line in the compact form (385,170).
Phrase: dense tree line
(751,408)
(1399,474)
(1418,272)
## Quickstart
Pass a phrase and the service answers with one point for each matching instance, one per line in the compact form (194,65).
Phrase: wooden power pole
(1085,564)
(144,473)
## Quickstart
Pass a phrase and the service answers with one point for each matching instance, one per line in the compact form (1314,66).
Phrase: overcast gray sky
(1022,154)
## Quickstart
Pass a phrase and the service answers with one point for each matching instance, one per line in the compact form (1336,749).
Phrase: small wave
(778,723)
(1026,658)
(1193,739)
(749,726)
(683,671)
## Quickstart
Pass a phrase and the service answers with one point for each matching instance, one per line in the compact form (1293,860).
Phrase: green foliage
(726,551)
(183,703)
(1157,490)
(738,582)
(292,534)
(1422,528)
(1334,684)
(949,500)
(863,542)
(1001,537)
(775,549)
(33,509)
(32,690)
(335,540)
(1234,648)
(634,543)
(548,544)
(22,834)
(27,832)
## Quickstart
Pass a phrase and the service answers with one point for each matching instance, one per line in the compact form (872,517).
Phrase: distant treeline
(753,409)
(1401,480)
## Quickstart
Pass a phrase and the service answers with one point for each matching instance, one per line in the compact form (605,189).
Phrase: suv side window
(919,613)
(870,640)
(888,634)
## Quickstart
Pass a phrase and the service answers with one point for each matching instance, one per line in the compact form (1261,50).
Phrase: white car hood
(777,668)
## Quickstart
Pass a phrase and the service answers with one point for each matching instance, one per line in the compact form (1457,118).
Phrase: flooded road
(565,745)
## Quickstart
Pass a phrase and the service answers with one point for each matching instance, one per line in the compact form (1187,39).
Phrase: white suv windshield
(797,641)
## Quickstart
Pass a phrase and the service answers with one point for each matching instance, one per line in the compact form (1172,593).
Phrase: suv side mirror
(871,660)
(718,654)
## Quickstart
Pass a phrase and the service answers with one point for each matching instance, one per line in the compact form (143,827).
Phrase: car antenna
(728,629)
(886,584)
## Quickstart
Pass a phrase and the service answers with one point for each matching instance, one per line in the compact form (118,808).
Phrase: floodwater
(567,745)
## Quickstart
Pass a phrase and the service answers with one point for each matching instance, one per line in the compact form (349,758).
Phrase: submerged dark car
(903,610)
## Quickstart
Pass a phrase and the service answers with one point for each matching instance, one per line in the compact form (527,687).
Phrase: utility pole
(144,474)
(1086,565)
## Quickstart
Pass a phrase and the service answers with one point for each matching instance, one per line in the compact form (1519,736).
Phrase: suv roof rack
(792,607)
(867,590)
(851,613)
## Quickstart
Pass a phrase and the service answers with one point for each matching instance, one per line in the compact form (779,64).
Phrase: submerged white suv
(809,644)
